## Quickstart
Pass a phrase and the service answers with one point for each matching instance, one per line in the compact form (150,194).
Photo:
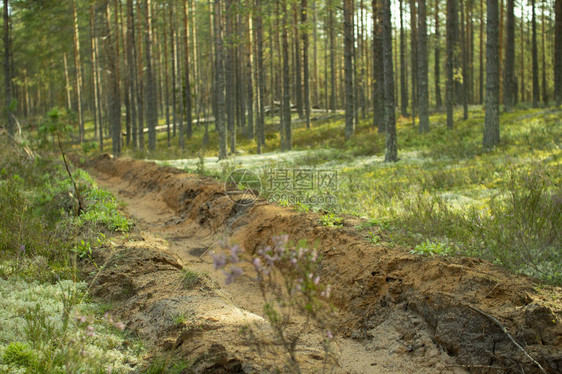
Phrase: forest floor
(396,312)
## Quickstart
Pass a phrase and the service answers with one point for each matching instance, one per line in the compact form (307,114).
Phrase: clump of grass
(331,220)
(190,278)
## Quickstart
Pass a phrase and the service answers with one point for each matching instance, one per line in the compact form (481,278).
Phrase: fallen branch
(504,330)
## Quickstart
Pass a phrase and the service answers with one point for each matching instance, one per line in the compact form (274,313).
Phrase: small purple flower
(234,252)
(219,261)
(234,273)
(329,335)
(22,250)
(257,263)
(270,260)
(326,292)
(90,328)
(294,261)
(120,326)
(317,280)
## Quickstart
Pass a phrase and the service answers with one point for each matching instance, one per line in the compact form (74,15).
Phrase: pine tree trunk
(378,69)
(509,62)
(451,42)
(173,77)
(188,104)
(67,82)
(558,52)
(219,82)
(7,70)
(543,40)
(389,102)
(464,92)
(423,90)
(536,89)
(492,120)
(150,88)
(297,64)
(481,51)
(438,99)
(305,63)
(348,56)
(260,131)
(403,74)
(229,75)
(132,71)
(414,57)
(78,65)
(332,37)
(166,80)
(286,104)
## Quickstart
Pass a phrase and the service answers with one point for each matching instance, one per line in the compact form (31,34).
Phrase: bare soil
(396,312)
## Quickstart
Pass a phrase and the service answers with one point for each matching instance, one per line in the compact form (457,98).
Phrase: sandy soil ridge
(398,313)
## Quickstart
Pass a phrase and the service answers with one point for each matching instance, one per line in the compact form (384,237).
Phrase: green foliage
(103,211)
(331,220)
(18,354)
(428,248)
(57,123)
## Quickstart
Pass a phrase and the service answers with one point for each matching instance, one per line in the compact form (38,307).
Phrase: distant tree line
(128,65)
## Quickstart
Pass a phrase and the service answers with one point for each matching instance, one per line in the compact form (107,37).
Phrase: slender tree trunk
(188,103)
(464,56)
(438,99)
(481,51)
(305,63)
(378,69)
(230,78)
(414,57)
(522,56)
(423,90)
(286,141)
(558,52)
(297,64)
(219,81)
(348,55)
(174,77)
(543,41)
(536,89)
(150,88)
(260,133)
(509,62)
(332,37)
(166,79)
(78,64)
(131,58)
(249,76)
(67,82)
(7,71)
(451,42)
(389,102)
(316,78)
(492,121)
(403,74)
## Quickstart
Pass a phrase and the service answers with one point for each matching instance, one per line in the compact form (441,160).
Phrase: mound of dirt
(441,314)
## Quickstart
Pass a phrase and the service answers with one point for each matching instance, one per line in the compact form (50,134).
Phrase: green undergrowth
(49,323)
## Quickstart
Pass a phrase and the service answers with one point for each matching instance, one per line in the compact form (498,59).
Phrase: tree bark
(464,64)
(558,52)
(260,131)
(389,102)
(509,62)
(403,74)
(451,42)
(219,82)
(150,88)
(229,73)
(332,37)
(438,99)
(305,63)
(536,89)
(188,103)
(78,65)
(423,91)
(348,68)
(378,69)
(7,71)
(492,120)
(414,57)
(132,71)
(286,141)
